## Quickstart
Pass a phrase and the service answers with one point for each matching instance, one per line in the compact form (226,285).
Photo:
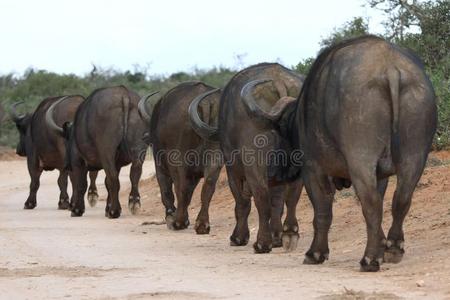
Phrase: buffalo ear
(67,128)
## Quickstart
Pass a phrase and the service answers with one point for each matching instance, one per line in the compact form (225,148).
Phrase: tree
(423,26)
(356,27)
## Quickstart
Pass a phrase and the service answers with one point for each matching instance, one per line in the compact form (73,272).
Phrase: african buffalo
(367,111)
(182,156)
(106,134)
(252,147)
(45,149)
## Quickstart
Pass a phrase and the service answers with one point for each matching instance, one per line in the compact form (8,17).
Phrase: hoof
(134,207)
(114,213)
(290,241)
(394,251)
(315,258)
(180,225)
(236,241)
(370,265)
(63,204)
(77,212)
(92,198)
(261,248)
(277,242)
(202,227)
(29,205)
(170,220)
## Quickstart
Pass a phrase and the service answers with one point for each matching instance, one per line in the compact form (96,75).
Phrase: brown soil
(45,254)
(7,153)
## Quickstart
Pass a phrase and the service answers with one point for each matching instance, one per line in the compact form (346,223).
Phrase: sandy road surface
(46,254)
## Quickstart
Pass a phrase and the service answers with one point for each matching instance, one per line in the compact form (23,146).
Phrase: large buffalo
(367,111)
(253,148)
(182,156)
(45,149)
(106,134)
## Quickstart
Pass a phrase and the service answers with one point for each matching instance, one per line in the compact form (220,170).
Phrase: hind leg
(263,202)
(134,200)
(368,191)
(290,234)
(407,179)
(63,196)
(242,196)
(113,207)
(208,188)
(92,191)
(184,188)
(321,194)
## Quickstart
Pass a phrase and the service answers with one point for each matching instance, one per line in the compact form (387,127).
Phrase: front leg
(134,200)
(35,174)
(92,191)
(63,197)
(290,234)
(209,186)
(78,176)
(277,207)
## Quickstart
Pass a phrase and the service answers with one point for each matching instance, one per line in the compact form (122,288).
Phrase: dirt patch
(165,295)
(46,254)
(9,154)
(71,272)
(359,295)
(427,226)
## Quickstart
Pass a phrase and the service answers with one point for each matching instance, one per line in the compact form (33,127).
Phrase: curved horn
(147,114)
(201,128)
(49,117)
(252,107)
(14,116)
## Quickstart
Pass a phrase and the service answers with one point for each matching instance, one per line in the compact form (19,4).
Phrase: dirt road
(46,254)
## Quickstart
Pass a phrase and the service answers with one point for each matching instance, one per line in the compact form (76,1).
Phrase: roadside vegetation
(423,26)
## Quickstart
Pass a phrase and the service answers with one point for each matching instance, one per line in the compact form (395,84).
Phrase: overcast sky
(168,35)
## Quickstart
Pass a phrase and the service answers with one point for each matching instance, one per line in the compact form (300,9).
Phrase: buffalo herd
(365,111)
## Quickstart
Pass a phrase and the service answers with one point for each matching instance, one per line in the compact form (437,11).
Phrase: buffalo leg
(277,206)
(134,200)
(63,197)
(208,188)
(261,195)
(242,196)
(92,191)
(35,174)
(184,188)
(78,176)
(290,234)
(407,179)
(367,189)
(113,208)
(321,194)
(168,199)
(382,186)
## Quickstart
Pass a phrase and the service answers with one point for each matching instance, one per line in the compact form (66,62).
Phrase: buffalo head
(22,122)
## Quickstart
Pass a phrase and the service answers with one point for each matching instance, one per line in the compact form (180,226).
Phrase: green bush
(35,85)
